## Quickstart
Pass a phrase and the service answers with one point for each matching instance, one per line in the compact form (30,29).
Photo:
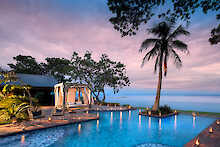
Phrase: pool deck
(43,122)
(207,139)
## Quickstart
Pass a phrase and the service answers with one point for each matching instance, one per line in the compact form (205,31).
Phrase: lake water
(197,103)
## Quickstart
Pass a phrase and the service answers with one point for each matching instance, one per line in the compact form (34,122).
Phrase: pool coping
(204,135)
(157,116)
(49,124)
(207,139)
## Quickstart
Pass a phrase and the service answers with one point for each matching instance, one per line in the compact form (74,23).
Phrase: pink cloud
(42,31)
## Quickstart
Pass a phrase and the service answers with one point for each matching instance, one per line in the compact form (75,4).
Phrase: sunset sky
(56,28)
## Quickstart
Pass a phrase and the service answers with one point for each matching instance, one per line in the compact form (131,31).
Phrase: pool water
(116,129)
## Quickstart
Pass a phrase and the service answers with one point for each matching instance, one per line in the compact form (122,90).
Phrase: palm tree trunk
(103,95)
(157,99)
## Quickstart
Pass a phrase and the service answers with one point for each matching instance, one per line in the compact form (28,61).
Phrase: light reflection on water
(115,129)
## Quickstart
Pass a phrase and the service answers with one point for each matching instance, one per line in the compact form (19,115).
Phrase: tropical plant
(14,107)
(164,46)
(15,100)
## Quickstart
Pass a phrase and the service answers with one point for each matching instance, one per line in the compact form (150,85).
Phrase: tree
(98,75)
(58,68)
(111,74)
(164,46)
(215,34)
(130,14)
(26,65)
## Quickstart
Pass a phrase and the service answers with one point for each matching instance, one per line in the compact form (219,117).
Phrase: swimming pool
(116,129)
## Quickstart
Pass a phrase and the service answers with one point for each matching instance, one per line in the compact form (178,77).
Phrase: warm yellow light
(160,114)
(194,114)
(149,112)
(97,123)
(197,142)
(49,118)
(217,122)
(22,139)
(129,107)
(175,111)
(147,108)
(210,130)
(79,128)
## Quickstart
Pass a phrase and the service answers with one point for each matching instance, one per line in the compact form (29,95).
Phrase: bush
(162,109)
(14,107)
(165,109)
(107,104)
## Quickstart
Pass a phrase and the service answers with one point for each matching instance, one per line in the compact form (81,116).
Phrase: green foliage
(26,64)
(107,104)
(215,34)
(58,68)
(165,109)
(98,75)
(130,14)
(14,107)
(164,45)
(15,100)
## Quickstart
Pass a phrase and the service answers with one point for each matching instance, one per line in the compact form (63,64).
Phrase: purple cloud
(45,29)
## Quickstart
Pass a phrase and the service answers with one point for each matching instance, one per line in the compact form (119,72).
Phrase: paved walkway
(42,123)
(67,118)
(207,139)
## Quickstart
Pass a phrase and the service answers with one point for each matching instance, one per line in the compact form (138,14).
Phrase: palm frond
(147,42)
(180,46)
(179,31)
(161,30)
(151,54)
(177,59)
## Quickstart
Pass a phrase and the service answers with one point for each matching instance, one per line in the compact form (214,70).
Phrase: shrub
(107,104)
(165,109)
(14,107)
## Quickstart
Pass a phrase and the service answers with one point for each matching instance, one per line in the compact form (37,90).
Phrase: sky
(55,28)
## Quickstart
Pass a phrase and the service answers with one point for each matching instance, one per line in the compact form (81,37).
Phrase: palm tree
(164,46)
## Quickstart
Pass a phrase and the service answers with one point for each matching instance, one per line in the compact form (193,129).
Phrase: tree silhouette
(164,46)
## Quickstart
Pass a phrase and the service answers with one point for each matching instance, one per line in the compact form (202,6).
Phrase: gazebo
(65,95)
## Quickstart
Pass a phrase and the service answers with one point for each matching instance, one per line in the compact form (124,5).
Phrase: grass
(203,113)
(3,122)
(212,114)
